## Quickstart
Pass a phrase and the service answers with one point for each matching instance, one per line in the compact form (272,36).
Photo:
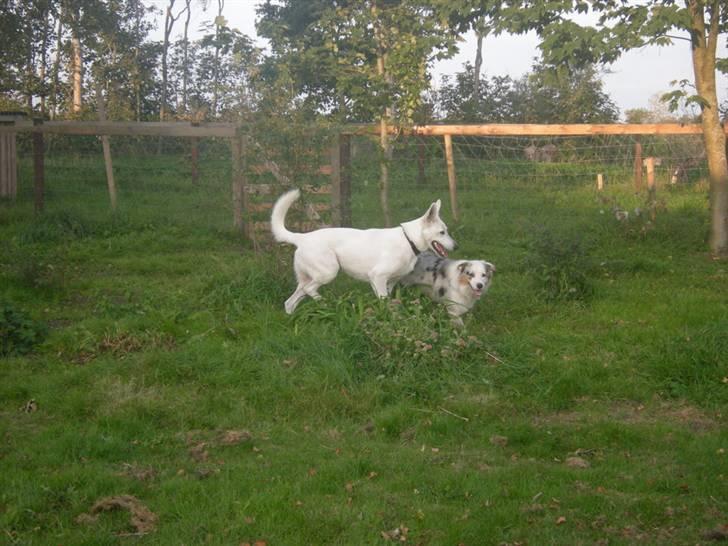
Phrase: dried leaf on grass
(497,440)
(399,534)
(234,437)
(141,473)
(142,519)
(199,453)
(720,533)
(577,462)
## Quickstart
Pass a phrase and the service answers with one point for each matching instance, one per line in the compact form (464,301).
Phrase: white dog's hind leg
(295,299)
(312,272)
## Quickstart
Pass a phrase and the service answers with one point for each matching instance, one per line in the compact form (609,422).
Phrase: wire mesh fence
(418,170)
(186,181)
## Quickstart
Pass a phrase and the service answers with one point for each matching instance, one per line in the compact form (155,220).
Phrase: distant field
(586,402)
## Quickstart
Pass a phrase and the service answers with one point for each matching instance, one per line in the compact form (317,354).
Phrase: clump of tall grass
(559,266)
(19,333)
(399,334)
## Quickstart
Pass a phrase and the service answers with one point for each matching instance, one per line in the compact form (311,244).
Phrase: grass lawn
(585,402)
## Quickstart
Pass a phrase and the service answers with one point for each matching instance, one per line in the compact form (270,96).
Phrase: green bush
(399,333)
(19,333)
(559,266)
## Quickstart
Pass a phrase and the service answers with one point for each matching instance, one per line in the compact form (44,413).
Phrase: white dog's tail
(278,217)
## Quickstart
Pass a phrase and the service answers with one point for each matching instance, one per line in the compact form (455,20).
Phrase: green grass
(165,331)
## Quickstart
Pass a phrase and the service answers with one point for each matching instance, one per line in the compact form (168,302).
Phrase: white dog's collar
(413,246)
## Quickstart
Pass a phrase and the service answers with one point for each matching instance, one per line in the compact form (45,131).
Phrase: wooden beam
(126,128)
(526,129)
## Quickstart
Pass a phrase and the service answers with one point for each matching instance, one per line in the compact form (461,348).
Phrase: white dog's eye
(442,232)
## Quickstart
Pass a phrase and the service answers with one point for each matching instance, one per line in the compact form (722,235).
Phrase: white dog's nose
(479,285)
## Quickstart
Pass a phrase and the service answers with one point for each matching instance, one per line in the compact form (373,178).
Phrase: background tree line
(321,64)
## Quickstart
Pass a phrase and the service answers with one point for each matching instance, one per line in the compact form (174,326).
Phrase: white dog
(456,283)
(379,256)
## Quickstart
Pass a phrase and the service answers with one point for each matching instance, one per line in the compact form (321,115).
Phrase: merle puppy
(457,284)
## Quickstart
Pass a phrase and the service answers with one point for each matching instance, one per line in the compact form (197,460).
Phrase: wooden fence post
(452,182)
(8,166)
(194,159)
(38,167)
(106,147)
(237,148)
(650,164)
(600,181)
(637,164)
(421,151)
(341,180)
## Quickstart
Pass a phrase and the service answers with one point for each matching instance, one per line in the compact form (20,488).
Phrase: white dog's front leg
(379,285)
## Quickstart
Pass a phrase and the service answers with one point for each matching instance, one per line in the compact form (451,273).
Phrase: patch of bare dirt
(143,520)
(682,414)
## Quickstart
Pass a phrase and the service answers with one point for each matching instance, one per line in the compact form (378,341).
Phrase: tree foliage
(334,51)
(541,96)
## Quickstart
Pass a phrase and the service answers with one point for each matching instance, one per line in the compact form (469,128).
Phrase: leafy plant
(19,333)
(399,333)
(559,266)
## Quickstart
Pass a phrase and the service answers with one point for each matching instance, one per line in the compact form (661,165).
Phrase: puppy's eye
(442,232)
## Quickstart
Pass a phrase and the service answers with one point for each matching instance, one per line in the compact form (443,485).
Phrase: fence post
(106,147)
(8,166)
(638,164)
(341,180)
(421,151)
(452,182)
(38,166)
(237,148)
(194,157)
(600,181)
(650,163)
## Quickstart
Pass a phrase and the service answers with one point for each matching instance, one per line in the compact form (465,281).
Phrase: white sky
(634,79)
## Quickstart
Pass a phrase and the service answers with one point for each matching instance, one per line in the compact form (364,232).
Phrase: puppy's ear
(462,267)
(433,213)
(489,267)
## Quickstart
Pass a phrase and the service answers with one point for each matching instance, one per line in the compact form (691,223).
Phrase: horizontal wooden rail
(530,129)
(124,128)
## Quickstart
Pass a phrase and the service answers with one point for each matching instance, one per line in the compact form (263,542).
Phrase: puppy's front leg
(455,310)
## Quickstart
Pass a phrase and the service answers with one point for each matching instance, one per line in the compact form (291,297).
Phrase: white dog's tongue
(439,249)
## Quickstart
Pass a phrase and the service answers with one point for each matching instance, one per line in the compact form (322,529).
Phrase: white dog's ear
(463,266)
(489,267)
(433,213)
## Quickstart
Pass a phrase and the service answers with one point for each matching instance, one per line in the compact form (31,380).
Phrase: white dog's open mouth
(478,292)
(439,249)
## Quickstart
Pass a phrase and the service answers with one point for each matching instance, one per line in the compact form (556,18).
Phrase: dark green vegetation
(171,373)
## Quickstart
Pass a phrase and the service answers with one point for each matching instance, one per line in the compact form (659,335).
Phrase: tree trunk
(477,67)
(385,145)
(56,66)
(137,69)
(185,53)
(216,67)
(168,24)
(43,68)
(704,44)
(29,63)
(76,73)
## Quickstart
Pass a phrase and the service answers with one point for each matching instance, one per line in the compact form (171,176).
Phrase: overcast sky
(636,78)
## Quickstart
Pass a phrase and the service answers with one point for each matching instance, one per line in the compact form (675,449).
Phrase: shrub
(559,266)
(399,333)
(19,333)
